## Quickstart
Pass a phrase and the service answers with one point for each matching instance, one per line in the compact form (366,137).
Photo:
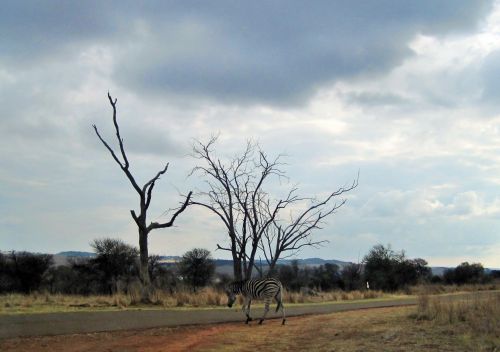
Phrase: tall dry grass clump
(206,297)
(295,297)
(481,312)
(133,298)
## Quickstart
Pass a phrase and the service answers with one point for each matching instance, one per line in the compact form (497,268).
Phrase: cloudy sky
(405,92)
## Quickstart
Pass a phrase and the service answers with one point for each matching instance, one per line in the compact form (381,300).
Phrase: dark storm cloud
(35,30)
(281,52)
(276,52)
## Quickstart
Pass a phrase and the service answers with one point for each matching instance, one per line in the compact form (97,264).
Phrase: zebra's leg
(249,318)
(266,309)
(279,299)
(282,313)
(246,307)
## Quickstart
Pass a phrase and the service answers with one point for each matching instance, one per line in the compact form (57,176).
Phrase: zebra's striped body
(265,289)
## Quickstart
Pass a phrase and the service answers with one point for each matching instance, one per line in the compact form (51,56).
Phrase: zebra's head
(231,291)
(231,297)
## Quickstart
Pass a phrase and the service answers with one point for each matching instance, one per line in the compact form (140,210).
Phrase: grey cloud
(281,53)
(276,52)
(33,103)
(489,73)
(36,30)
(141,140)
(146,141)
(377,99)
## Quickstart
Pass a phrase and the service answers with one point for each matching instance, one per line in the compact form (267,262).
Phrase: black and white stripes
(264,289)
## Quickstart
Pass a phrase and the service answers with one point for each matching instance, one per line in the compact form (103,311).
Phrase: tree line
(116,268)
(382,268)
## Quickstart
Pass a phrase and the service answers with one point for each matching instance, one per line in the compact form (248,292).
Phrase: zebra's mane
(236,286)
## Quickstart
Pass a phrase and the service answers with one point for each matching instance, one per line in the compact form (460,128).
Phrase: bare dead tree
(220,197)
(286,237)
(235,193)
(145,193)
(252,205)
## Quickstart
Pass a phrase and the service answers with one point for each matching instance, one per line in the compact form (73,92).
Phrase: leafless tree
(235,193)
(220,199)
(288,236)
(252,199)
(144,193)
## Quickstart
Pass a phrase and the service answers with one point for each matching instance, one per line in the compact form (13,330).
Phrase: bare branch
(222,248)
(108,147)
(297,233)
(213,210)
(125,165)
(155,225)
(148,187)
(120,139)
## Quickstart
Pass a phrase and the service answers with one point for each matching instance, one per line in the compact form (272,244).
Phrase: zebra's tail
(280,300)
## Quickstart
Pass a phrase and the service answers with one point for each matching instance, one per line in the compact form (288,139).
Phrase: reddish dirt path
(179,339)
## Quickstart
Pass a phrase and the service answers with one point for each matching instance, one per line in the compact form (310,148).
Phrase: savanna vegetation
(111,280)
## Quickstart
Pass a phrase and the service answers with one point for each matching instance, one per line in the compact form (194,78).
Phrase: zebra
(266,289)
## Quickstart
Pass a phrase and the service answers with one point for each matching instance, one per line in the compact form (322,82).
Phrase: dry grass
(44,302)
(478,314)
(332,296)
(207,297)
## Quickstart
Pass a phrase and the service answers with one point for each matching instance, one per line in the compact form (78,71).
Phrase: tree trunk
(238,274)
(143,268)
(272,267)
(251,262)
(237,271)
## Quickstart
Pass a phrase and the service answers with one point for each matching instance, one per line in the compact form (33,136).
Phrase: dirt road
(328,331)
(87,322)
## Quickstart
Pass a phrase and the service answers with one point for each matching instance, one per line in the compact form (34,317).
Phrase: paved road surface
(85,322)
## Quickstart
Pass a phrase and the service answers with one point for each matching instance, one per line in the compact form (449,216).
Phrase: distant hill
(176,258)
(314,262)
(62,258)
(439,270)
(76,254)
(222,265)
(226,266)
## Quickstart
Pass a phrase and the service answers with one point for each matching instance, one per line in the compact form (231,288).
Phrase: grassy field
(433,325)
(480,315)
(206,298)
